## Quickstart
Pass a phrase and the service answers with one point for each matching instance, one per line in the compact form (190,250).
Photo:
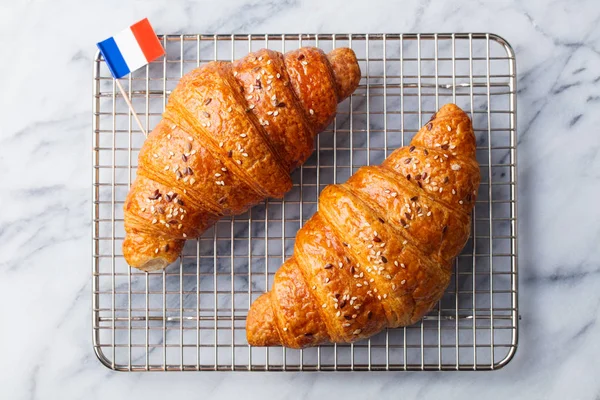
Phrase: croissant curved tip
(345,70)
(150,253)
(260,323)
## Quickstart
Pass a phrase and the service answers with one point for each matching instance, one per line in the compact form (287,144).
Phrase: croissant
(230,135)
(379,251)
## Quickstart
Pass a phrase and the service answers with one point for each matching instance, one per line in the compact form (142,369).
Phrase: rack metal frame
(191,316)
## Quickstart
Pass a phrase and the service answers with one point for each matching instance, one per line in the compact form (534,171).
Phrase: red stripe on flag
(146,38)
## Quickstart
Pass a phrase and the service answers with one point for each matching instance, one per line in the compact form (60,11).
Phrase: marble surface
(45,159)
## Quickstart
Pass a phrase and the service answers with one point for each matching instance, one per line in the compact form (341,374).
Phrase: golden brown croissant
(379,251)
(230,136)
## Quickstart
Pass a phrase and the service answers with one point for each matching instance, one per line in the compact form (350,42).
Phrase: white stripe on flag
(130,49)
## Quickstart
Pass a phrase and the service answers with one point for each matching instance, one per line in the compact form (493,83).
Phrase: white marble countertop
(45,159)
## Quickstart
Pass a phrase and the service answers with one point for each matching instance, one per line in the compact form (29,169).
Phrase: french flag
(131,49)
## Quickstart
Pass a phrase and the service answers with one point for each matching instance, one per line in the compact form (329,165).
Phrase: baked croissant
(379,251)
(230,136)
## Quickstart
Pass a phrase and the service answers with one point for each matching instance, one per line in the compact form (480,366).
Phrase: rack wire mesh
(191,316)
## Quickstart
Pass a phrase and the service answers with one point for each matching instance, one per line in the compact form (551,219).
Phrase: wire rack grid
(191,316)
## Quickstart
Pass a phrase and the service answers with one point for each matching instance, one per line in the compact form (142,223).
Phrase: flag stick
(126,97)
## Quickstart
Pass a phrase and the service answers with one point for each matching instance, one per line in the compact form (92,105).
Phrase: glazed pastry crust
(379,251)
(230,136)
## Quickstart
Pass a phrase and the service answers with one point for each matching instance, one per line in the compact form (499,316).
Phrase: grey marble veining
(45,159)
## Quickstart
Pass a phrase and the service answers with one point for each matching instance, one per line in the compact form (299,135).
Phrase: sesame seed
(285,328)
(340,264)
(324,305)
(441,189)
(326,280)
(394,194)
(460,202)
(405,242)
(154,221)
(276,113)
(429,213)
(402,265)
(311,111)
(245,154)
(268,62)
(388,276)
(449,129)
(314,287)
(385,296)
(337,314)
(191,139)
(379,297)
(184,235)
(455,167)
(155,155)
(238,161)
(393,286)
(403,281)
(358,285)
(346,324)
(156,251)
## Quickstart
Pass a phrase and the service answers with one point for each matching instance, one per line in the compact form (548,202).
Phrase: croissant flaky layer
(230,136)
(379,251)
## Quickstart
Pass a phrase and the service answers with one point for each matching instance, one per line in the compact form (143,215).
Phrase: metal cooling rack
(192,315)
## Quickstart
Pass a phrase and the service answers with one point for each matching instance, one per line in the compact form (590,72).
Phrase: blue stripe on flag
(114,59)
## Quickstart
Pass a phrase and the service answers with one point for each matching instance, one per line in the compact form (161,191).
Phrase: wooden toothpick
(126,97)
